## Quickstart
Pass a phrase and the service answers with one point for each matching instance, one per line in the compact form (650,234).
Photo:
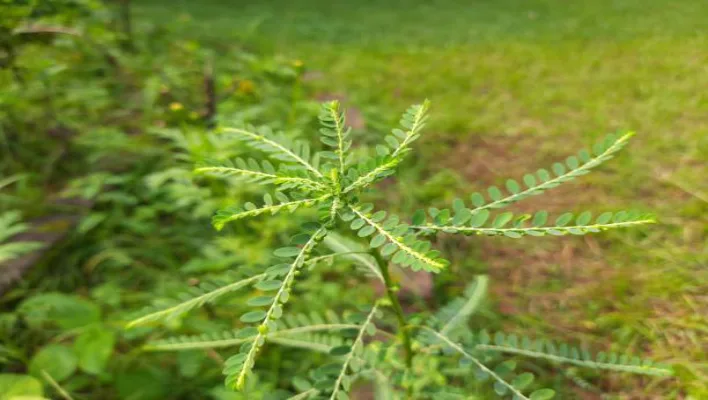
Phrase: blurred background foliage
(106,105)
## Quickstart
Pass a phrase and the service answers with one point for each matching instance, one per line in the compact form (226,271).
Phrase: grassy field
(516,85)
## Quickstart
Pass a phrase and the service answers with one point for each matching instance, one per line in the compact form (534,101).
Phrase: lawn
(515,86)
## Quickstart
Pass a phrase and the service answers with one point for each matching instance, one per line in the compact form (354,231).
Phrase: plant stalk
(391,290)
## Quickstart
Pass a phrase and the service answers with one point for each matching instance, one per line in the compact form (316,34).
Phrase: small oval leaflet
(500,388)
(340,350)
(522,381)
(494,193)
(253,316)
(540,218)
(604,218)
(563,219)
(477,199)
(479,218)
(502,219)
(418,217)
(584,218)
(389,249)
(300,238)
(377,241)
(260,301)
(285,252)
(366,231)
(512,186)
(358,223)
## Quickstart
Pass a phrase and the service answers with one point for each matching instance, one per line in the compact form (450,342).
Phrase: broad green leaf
(94,348)
(56,360)
(144,383)
(67,311)
(14,386)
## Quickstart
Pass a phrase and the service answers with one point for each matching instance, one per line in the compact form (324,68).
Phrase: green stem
(391,290)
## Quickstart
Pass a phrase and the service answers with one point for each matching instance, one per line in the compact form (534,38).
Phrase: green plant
(333,183)
(11,225)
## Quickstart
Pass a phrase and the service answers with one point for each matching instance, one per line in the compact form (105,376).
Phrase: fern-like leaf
(196,297)
(10,251)
(320,343)
(565,354)
(389,156)
(479,223)
(400,243)
(278,146)
(369,172)
(264,173)
(249,210)
(238,366)
(351,361)
(334,133)
(573,167)
(203,341)
(501,385)
(413,121)
(11,225)
(305,328)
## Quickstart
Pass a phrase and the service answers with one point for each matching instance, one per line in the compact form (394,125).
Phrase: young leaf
(411,251)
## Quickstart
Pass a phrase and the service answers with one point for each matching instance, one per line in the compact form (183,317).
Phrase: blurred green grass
(514,86)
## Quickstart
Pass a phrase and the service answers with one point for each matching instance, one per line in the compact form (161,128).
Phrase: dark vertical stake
(210,93)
